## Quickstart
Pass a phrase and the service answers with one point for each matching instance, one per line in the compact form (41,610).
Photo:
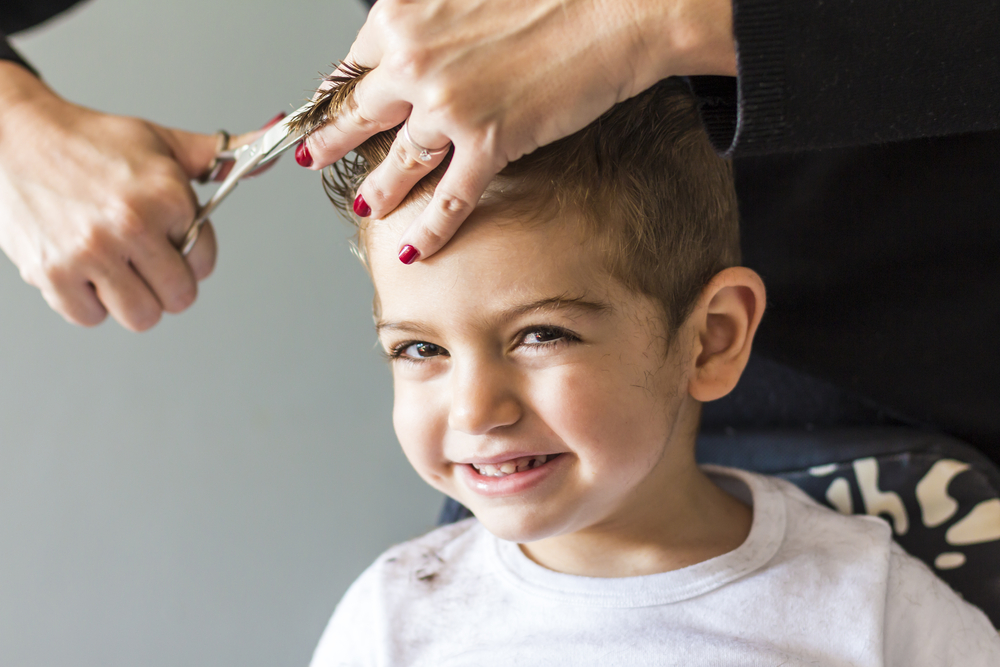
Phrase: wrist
(20,89)
(690,37)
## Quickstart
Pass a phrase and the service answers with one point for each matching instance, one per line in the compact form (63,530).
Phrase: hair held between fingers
(332,100)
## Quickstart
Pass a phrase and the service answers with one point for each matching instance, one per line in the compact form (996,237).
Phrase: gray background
(201,494)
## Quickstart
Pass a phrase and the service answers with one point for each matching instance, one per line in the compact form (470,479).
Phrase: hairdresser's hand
(92,206)
(500,79)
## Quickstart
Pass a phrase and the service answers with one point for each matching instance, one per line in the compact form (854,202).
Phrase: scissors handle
(195,229)
(247,158)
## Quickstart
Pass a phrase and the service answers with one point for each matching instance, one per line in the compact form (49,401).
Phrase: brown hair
(643,178)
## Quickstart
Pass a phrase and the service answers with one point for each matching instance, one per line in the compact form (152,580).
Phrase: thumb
(194,152)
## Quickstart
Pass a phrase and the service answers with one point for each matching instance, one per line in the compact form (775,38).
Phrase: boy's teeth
(510,467)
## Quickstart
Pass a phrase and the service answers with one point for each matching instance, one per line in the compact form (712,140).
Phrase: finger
(127,297)
(167,274)
(373,107)
(367,47)
(76,301)
(387,186)
(454,199)
(202,257)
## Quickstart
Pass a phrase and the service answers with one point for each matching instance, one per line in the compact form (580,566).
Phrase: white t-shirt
(807,587)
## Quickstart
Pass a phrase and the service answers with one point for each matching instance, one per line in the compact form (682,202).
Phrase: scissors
(247,159)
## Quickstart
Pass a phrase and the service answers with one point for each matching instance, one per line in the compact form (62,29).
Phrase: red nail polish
(409,254)
(303,156)
(362,208)
(274,121)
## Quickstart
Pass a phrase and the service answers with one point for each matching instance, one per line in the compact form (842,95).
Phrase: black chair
(941,496)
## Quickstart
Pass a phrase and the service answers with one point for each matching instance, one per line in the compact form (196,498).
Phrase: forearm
(836,73)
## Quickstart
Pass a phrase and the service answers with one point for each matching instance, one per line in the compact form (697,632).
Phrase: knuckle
(404,159)
(453,206)
(382,13)
(91,244)
(354,108)
(124,214)
(452,210)
(85,248)
(165,194)
(131,226)
(392,19)
(411,60)
(442,98)
(434,237)
(350,117)
(318,142)
(375,193)
(161,199)
(50,272)
(171,195)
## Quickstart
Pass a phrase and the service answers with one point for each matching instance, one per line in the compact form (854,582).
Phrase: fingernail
(271,123)
(303,156)
(362,208)
(409,254)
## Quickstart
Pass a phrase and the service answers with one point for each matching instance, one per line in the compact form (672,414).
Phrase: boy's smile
(534,388)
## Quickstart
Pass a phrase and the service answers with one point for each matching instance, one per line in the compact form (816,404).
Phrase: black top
(881,252)
(16,15)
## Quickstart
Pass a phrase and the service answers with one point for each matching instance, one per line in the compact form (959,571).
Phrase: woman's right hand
(92,206)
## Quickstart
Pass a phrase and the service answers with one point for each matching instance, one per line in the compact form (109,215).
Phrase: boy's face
(529,385)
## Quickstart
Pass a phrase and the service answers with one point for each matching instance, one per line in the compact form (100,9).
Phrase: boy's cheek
(420,428)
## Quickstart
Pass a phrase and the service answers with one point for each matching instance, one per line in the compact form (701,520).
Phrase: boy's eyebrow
(550,303)
(555,303)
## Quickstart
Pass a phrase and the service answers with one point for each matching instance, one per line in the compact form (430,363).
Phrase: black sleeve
(7,52)
(17,15)
(828,73)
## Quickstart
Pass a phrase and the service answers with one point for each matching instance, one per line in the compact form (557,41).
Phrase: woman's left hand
(498,80)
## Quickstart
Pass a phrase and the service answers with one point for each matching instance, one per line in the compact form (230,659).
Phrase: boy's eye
(542,335)
(418,350)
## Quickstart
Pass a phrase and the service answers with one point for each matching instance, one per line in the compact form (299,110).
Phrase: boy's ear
(724,322)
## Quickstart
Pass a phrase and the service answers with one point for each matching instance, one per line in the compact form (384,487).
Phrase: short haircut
(643,179)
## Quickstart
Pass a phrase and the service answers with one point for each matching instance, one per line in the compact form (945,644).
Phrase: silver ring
(425,153)
(222,156)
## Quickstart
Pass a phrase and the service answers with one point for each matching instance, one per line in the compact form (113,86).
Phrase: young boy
(549,367)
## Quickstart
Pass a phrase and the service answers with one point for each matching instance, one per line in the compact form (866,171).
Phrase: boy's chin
(514,526)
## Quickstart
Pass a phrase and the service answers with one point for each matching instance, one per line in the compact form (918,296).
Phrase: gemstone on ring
(425,154)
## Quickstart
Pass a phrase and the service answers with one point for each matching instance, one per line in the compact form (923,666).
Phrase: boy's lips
(508,476)
(511,466)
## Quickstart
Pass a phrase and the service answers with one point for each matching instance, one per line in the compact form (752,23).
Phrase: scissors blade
(254,155)
(280,138)
(265,149)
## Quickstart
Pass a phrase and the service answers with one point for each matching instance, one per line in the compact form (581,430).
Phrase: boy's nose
(482,399)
